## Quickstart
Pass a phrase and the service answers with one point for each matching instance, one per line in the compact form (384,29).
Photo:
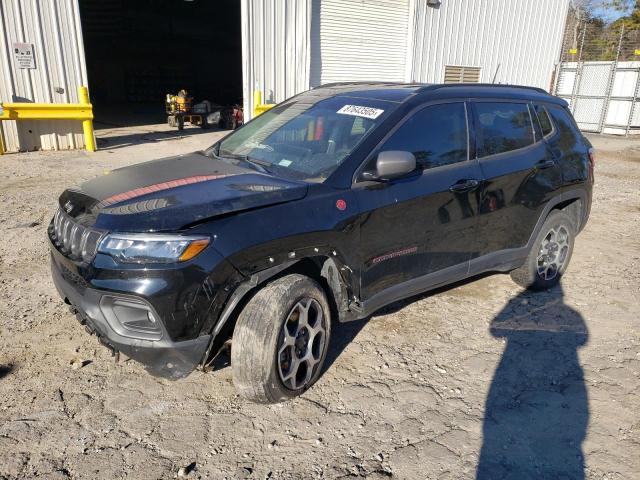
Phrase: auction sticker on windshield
(359,111)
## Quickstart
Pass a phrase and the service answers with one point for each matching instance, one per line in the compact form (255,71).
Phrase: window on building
(460,74)
(545,122)
(436,135)
(502,127)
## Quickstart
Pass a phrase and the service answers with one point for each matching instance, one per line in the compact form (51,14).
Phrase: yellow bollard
(87,125)
(257,101)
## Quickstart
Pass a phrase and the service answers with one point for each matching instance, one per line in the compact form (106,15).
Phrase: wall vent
(460,74)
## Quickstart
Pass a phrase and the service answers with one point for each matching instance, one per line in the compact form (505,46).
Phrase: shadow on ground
(111,140)
(5,370)
(537,409)
(344,333)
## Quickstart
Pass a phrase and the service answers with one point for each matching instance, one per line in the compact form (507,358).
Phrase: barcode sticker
(359,111)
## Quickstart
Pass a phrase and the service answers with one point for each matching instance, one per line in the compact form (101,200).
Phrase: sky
(609,14)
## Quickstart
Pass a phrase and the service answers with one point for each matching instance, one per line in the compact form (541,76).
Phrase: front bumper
(161,357)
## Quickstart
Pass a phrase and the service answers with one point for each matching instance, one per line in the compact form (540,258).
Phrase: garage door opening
(138,52)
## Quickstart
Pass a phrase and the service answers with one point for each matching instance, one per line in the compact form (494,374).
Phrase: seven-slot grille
(73,239)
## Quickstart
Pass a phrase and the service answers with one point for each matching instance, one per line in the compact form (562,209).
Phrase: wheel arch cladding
(323,269)
(574,208)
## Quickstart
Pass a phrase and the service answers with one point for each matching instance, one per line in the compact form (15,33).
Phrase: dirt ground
(482,377)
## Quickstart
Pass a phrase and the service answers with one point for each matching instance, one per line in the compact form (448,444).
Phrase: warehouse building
(131,54)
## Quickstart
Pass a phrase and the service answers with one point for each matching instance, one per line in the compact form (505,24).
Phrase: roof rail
(373,82)
(435,86)
(489,85)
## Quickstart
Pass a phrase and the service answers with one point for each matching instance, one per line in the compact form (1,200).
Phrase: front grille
(73,239)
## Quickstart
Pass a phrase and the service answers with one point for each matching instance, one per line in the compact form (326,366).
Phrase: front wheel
(550,254)
(280,340)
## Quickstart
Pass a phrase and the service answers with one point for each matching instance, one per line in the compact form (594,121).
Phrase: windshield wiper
(261,166)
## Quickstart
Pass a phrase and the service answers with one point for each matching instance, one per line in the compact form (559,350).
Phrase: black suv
(327,207)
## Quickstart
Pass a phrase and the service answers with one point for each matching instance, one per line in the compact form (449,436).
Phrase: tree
(589,36)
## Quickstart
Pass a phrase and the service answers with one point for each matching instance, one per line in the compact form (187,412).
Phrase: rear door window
(436,135)
(502,127)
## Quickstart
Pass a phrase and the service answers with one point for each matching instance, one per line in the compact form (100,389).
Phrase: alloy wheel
(301,344)
(553,252)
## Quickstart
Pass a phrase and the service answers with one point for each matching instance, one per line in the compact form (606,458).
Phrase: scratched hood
(172,193)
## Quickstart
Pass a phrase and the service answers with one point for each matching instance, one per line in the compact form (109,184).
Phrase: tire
(265,369)
(180,120)
(550,254)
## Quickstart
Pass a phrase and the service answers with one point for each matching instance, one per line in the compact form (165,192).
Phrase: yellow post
(1,140)
(87,125)
(257,101)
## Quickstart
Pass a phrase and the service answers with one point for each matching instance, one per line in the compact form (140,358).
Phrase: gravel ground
(482,377)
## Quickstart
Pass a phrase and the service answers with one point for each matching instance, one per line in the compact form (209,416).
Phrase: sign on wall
(24,55)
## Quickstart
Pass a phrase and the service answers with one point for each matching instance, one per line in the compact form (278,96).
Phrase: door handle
(542,164)
(464,186)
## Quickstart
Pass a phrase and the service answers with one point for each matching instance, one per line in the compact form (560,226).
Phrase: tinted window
(545,122)
(568,137)
(436,135)
(502,127)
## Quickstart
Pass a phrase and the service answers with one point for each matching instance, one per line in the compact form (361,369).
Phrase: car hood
(173,193)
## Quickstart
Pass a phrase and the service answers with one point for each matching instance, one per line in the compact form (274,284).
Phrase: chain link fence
(599,75)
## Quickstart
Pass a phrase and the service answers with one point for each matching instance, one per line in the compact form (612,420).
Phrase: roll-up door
(356,40)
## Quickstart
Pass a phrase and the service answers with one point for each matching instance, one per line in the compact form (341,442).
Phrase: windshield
(305,138)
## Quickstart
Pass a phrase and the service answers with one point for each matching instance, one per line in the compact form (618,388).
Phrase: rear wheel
(550,254)
(280,340)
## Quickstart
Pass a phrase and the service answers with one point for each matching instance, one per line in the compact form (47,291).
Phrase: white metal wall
(513,41)
(53,27)
(355,40)
(275,49)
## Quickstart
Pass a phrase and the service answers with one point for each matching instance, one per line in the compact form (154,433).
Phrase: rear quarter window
(569,137)
(502,127)
(543,118)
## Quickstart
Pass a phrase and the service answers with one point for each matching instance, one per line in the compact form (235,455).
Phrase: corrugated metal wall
(354,40)
(53,27)
(275,49)
(515,41)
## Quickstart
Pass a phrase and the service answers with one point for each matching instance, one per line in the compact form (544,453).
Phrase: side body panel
(516,186)
(416,226)
(315,226)
(569,148)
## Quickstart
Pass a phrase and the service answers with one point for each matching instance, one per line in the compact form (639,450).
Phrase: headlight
(149,248)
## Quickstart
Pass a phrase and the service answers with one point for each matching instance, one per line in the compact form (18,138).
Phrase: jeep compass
(325,208)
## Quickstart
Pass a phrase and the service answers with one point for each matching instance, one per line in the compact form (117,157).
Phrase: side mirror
(394,164)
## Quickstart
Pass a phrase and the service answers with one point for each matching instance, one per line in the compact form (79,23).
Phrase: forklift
(180,109)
